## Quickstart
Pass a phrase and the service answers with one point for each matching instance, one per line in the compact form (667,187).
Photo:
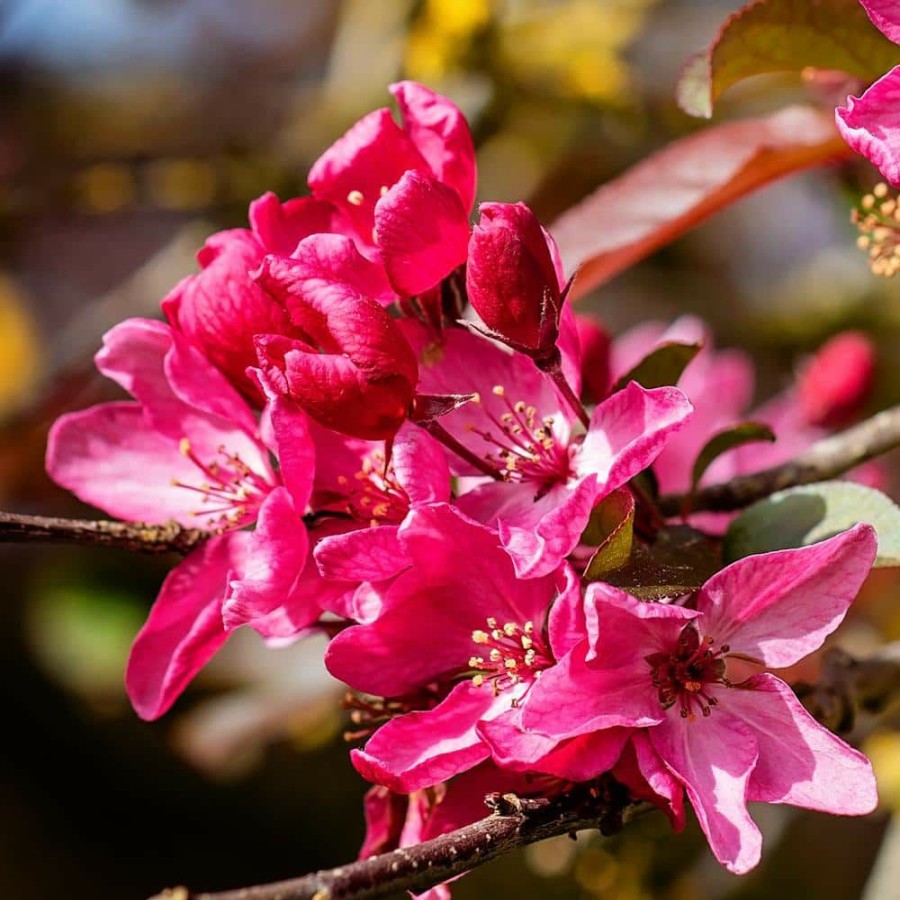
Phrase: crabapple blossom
(680,672)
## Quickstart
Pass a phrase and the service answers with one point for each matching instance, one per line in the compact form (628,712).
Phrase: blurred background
(131,129)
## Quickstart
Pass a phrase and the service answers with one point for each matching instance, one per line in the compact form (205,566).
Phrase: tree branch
(134,536)
(829,458)
(847,686)
(515,823)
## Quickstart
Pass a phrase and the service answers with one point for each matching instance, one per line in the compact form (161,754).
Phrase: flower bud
(838,380)
(595,358)
(511,278)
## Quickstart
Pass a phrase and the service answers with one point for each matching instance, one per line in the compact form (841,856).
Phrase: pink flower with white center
(407,190)
(869,123)
(674,671)
(550,475)
(190,451)
(461,627)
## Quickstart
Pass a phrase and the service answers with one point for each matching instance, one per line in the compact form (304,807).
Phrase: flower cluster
(375,409)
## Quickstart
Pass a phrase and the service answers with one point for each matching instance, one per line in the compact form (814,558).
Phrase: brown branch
(515,823)
(826,459)
(847,686)
(134,536)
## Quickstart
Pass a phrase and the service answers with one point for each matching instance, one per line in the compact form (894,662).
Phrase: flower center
(682,676)
(231,491)
(512,655)
(878,221)
(523,447)
(373,494)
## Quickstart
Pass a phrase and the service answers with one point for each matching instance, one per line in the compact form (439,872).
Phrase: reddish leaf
(677,188)
(785,36)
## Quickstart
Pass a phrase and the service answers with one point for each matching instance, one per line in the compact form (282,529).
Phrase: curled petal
(422,231)
(279,227)
(425,748)
(441,134)
(869,125)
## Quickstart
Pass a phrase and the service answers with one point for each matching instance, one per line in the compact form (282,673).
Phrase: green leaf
(737,435)
(660,367)
(683,184)
(803,515)
(785,36)
(679,561)
(611,530)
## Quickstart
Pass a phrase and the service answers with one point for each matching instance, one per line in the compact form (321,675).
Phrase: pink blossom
(220,308)
(672,669)
(550,476)
(353,371)
(191,451)
(869,123)
(459,610)
(407,190)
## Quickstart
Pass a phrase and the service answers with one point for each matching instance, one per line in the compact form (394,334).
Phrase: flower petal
(441,134)
(778,607)
(800,761)
(425,748)
(184,629)
(714,758)
(422,231)
(869,125)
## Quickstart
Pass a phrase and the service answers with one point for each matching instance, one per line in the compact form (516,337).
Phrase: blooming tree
(370,417)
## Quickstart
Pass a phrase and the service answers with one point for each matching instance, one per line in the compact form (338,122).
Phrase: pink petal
(572,698)
(538,535)
(645,775)
(324,266)
(276,555)
(368,554)
(184,629)
(885,16)
(800,761)
(110,457)
(566,624)
(420,465)
(779,607)
(638,628)
(373,154)
(281,226)
(424,748)
(580,758)
(714,758)
(294,449)
(441,134)
(869,125)
(422,231)
(628,431)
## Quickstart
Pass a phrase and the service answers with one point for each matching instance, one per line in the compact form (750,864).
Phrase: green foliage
(611,530)
(785,36)
(803,515)
(723,441)
(660,367)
